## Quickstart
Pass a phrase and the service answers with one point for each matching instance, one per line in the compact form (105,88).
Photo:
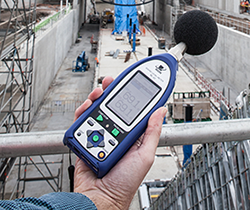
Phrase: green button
(115,132)
(99,118)
(95,138)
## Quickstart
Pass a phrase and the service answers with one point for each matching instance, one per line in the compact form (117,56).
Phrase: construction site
(54,53)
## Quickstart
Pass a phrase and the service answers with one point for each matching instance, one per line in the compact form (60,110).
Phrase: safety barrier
(58,106)
(205,84)
(239,24)
(49,21)
(232,22)
(218,177)
(214,93)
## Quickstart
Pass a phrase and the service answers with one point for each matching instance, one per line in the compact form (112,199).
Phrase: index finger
(96,93)
(106,82)
(152,134)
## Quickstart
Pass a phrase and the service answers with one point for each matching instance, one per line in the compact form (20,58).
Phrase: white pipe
(50,142)
(33,143)
(205,132)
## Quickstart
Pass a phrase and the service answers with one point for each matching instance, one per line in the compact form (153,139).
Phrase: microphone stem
(178,51)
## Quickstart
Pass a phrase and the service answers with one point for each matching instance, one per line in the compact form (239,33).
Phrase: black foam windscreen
(197,30)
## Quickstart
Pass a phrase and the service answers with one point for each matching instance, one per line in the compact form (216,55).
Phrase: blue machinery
(81,64)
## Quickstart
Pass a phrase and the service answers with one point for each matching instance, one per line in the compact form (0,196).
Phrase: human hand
(117,188)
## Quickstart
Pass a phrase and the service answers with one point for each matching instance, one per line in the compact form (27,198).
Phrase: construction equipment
(94,17)
(93,43)
(195,103)
(108,15)
(81,64)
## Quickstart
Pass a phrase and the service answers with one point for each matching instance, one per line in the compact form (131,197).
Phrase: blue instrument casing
(111,125)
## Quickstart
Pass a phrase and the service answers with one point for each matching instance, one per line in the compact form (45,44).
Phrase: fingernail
(164,111)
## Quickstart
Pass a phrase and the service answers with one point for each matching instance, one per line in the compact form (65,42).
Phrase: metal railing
(232,22)
(217,169)
(214,93)
(58,106)
(50,142)
(218,177)
(48,22)
(203,84)
(236,23)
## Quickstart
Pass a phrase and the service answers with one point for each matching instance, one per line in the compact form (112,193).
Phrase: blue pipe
(127,26)
(130,30)
(134,37)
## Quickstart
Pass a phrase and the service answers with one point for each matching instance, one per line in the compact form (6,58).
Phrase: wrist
(103,202)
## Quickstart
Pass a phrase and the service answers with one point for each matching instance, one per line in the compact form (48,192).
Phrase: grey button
(89,132)
(89,144)
(90,122)
(101,132)
(111,142)
(102,144)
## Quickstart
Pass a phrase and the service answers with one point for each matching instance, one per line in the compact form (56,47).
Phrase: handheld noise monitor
(111,125)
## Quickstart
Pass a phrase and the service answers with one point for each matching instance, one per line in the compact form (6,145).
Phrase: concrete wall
(50,50)
(81,9)
(159,15)
(163,14)
(149,10)
(227,5)
(229,58)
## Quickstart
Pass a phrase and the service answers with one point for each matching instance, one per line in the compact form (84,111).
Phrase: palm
(127,174)
(119,185)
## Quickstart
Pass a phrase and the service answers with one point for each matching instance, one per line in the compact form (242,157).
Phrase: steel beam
(44,143)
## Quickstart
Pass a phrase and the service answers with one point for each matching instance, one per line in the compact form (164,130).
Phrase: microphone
(195,33)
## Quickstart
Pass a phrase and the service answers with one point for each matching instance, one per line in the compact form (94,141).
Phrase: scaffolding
(17,41)
(17,21)
(17,50)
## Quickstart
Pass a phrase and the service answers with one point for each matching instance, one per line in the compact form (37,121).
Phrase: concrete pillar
(236,6)
(176,3)
(75,3)
(220,4)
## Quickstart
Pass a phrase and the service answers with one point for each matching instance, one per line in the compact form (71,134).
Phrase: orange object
(96,59)
(144,30)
